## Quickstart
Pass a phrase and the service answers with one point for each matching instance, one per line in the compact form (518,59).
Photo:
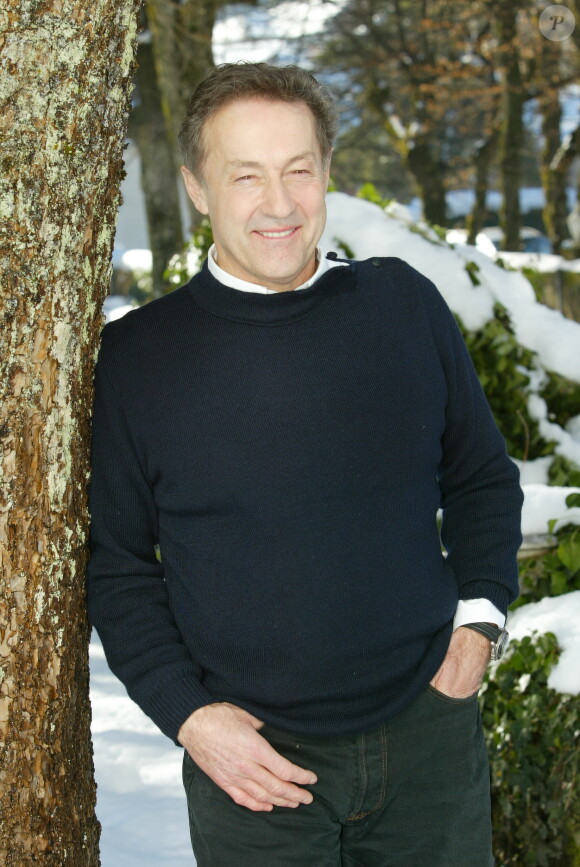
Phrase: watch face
(500,646)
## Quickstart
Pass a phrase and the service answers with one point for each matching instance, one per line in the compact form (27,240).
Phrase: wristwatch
(499,637)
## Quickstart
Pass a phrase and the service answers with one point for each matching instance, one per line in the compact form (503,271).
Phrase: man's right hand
(223,740)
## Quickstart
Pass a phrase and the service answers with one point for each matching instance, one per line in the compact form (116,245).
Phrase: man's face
(264,190)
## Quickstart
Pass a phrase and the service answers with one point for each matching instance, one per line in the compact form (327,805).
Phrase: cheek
(314,203)
(237,211)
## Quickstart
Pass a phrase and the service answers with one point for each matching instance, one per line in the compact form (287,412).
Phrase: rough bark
(65,69)
(159,169)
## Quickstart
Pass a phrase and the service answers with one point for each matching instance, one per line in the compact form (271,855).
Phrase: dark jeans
(412,793)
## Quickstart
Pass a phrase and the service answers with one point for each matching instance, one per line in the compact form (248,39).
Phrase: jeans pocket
(188,771)
(449,699)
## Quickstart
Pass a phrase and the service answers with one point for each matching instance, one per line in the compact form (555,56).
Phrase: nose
(277,201)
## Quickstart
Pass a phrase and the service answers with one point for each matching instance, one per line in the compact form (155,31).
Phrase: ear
(195,190)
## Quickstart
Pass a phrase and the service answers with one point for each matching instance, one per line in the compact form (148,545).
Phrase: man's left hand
(464,665)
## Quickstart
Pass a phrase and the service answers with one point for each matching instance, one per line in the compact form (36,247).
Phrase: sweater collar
(323,264)
(277,308)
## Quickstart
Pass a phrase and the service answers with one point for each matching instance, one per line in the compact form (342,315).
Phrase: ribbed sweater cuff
(498,594)
(170,706)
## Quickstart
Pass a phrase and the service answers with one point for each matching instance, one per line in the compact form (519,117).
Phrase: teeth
(277,234)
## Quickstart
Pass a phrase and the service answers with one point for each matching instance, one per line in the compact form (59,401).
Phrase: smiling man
(284,429)
(263,183)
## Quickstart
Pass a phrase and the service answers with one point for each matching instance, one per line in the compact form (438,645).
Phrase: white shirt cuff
(477,611)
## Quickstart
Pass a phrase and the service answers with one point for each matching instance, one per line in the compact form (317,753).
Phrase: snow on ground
(461,202)
(544,263)
(560,615)
(116,306)
(566,439)
(138,261)
(534,472)
(543,503)
(140,798)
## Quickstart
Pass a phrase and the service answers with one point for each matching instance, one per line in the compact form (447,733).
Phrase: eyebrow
(252,164)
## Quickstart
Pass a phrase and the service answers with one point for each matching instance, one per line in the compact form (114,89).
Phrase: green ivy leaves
(501,363)
(532,737)
(569,551)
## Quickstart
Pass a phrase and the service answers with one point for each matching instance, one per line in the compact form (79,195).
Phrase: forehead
(260,130)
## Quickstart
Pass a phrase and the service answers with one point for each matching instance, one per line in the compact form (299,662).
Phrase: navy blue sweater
(288,454)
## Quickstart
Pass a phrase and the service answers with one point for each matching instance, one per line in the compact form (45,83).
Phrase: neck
(317,268)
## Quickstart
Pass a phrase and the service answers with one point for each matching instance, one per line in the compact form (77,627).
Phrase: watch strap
(488,629)
(497,635)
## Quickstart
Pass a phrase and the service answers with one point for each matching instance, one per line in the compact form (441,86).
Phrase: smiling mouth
(283,233)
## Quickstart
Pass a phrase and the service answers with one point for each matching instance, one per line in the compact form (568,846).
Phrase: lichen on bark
(65,76)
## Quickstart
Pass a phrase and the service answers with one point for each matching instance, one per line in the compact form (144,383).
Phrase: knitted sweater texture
(288,455)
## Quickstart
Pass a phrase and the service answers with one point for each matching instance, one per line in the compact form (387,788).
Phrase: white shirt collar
(236,283)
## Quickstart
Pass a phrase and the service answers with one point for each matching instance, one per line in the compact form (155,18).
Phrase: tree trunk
(512,132)
(553,172)
(574,7)
(65,68)
(482,162)
(428,175)
(158,169)
(181,34)
(560,164)
(553,178)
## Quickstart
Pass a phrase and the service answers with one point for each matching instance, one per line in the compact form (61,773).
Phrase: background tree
(484,155)
(181,33)
(510,61)
(159,165)
(561,164)
(557,68)
(449,85)
(366,155)
(416,67)
(554,174)
(175,52)
(531,70)
(65,69)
